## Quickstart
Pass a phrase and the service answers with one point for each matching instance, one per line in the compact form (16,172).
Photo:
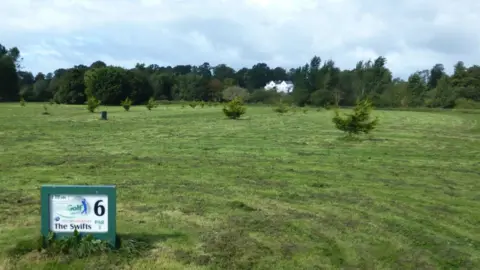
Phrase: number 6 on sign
(99,209)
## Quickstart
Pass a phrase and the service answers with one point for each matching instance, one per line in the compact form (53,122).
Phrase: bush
(165,102)
(232,92)
(235,108)
(45,110)
(281,108)
(92,104)
(463,103)
(293,108)
(126,104)
(77,246)
(193,104)
(22,102)
(202,104)
(151,103)
(265,96)
(359,121)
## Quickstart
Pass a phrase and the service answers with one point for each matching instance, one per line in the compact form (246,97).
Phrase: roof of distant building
(279,82)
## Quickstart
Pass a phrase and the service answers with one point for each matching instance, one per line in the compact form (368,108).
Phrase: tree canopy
(317,83)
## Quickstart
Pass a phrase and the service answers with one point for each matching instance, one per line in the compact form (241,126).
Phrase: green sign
(87,209)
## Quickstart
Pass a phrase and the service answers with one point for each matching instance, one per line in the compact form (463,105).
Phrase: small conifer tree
(357,122)
(45,110)
(151,104)
(235,108)
(281,108)
(126,104)
(92,104)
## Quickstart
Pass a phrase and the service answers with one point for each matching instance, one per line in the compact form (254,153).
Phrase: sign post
(87,209)
(103,115)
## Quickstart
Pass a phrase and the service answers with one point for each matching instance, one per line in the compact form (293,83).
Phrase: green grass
(267,192)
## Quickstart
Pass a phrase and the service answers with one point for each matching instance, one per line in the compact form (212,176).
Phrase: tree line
(317,83)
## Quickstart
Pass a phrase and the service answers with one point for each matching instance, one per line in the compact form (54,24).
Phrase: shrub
(305,110)
(235,108)
(92,104)
(281,108)
(463,103)
(165,102)
(233,92)
(126,104)
(151,103)
(357,122)
(293,108)
(266,96)
(193,104)
(51,101)
(202,104)
(45,110)
(22,102)
(76,245)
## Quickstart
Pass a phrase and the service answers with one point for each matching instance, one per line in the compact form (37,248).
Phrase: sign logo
(78,206)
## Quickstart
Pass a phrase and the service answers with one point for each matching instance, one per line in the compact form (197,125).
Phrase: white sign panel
(85,213)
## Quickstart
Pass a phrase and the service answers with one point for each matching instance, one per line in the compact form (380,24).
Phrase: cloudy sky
(411,34)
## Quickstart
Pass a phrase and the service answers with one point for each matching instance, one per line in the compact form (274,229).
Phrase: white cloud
(411,34)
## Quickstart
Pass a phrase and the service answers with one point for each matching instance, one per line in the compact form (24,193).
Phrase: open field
(267,192)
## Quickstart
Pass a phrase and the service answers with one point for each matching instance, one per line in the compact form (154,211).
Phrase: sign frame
(106,190)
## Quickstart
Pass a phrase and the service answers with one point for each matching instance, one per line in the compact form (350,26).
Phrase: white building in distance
(280,86)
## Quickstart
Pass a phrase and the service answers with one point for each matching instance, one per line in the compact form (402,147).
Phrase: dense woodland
(317,83)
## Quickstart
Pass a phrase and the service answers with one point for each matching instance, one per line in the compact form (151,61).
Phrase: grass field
(266,192)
